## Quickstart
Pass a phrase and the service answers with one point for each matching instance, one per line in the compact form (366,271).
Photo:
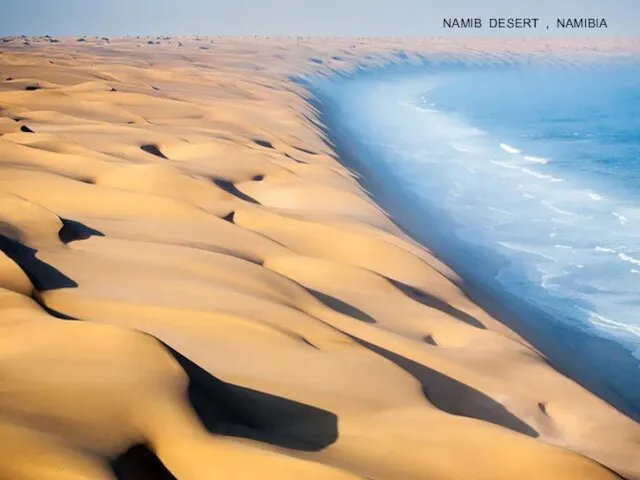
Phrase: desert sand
(192,286)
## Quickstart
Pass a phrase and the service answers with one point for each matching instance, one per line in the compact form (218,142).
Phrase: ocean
(524,177)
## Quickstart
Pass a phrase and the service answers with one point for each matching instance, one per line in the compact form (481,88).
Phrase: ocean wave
(628,258)
(563,211)
(541,175)
(461,148)
(475,131)
(539,160)
(559,210)
(499,210)
(508,148)
(540,206)
(621,255)
(611,324)
(418,108)
(623,220)
(504,165)
(525,249)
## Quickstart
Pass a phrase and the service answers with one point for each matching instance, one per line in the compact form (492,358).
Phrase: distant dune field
(192,286)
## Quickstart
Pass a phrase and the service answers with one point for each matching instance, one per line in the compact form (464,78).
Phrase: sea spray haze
(530,171)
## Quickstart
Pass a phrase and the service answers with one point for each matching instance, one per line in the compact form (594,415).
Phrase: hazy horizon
(304,17)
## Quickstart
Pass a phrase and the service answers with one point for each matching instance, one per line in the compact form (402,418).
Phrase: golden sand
(189,271)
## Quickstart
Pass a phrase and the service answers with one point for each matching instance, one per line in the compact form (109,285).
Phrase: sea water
(532,171)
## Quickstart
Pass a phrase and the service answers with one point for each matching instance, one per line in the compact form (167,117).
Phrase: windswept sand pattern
(193,287)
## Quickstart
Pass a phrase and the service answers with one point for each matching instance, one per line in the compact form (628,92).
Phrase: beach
(192,284)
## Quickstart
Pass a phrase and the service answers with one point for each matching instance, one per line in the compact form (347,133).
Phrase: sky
(302,17)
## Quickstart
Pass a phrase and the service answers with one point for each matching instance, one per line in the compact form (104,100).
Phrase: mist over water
(530,172)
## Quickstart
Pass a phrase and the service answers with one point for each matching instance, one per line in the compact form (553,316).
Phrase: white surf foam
(539,160)
(509,149)
(623,220)
(628,258)
(559,210)
(525,249)
(621,255)
(541,175)
(499,210)
(461,147)
(553,228)
(612,324)
(504,165)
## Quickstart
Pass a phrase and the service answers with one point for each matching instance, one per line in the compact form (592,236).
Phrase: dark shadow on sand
(140,463)
(263,143)
(342,307)
(452,396)
(223,408)
(434,302)
(153,150)
(234,411)
(52,312)
(230,217)
(304,150)
(293,158)
(232,189)
(42,275)
(72,231)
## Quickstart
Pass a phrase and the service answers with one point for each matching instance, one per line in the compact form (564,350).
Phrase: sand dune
(192,286)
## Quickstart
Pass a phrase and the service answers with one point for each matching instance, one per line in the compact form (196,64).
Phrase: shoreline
(573,351)
(243,306)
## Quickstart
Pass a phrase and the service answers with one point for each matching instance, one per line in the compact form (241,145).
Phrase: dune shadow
(304,150)
(263,143)
(153,150)
(229,187)
(434,302)
(235,411)
(140,463)
(429,340)
(342,307)
(42,275)
(452,396)
(230,217)
(293,158)
(72,231)
(53,312)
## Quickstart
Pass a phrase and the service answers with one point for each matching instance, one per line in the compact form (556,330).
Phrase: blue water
(534,169)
